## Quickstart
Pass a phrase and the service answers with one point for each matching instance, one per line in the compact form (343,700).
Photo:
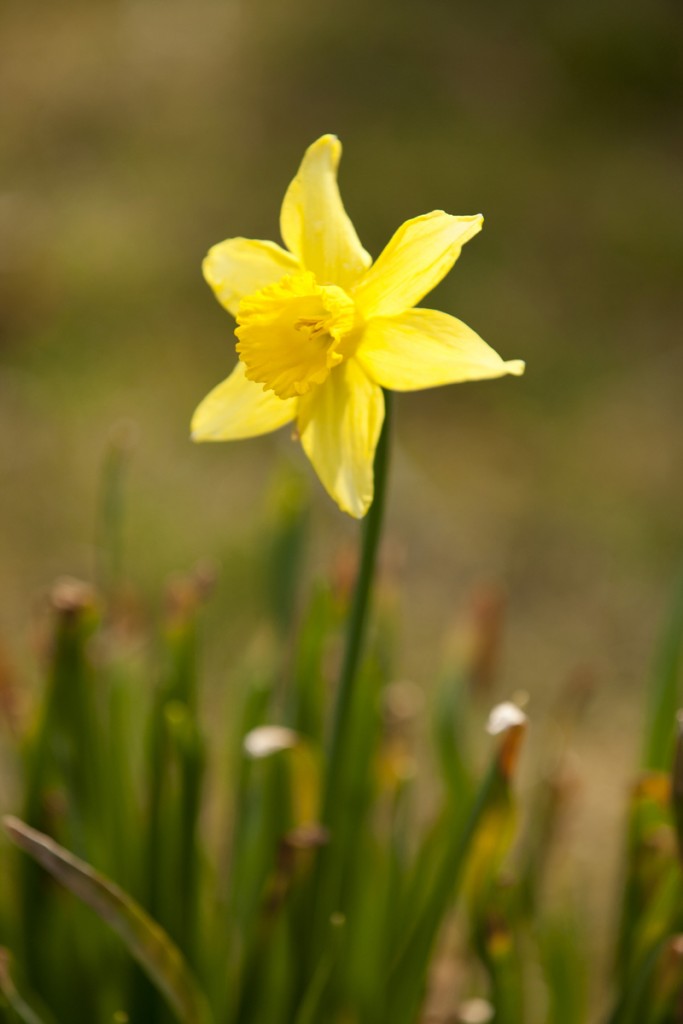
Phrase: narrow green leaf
(145,940)
(651,988)
(649,871)
(286,552)
(659,737)
(450,729)
(311,1009)
(668,982)
(187,749)
(677,785)
(67,738)
(565,957)
(111,508)
(9,991)
(408,977)
(305,699)
(340,862)
(493,902)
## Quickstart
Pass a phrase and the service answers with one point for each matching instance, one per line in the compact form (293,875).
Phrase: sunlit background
(135,134)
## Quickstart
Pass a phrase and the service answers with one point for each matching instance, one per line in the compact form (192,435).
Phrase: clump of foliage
(248,876)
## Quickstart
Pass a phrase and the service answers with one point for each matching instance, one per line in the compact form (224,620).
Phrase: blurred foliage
(201,835)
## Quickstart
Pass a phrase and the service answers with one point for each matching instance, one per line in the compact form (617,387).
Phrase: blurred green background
(135,134)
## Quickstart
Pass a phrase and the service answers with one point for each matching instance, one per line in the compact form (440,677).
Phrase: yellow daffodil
(321,329)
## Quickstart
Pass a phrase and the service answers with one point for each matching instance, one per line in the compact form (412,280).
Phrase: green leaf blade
(145,940)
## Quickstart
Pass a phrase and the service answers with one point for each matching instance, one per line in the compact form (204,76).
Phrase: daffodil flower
(321,329)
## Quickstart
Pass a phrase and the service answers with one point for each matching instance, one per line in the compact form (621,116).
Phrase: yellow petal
(340,424)
(240,266)
(314,223)
(418,256)
(238,408)
(424,348)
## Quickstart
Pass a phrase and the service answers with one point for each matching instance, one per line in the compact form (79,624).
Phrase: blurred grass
(271,905)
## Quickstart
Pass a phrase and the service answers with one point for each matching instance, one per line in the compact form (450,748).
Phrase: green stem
(372,528)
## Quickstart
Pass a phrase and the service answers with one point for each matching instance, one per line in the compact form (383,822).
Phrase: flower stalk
(341,737)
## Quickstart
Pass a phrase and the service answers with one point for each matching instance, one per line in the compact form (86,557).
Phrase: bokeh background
(135,134)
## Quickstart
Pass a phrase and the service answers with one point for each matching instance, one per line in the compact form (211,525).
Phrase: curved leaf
(146,941)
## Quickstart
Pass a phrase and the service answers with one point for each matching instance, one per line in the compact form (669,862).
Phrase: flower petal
(240,266)
(424,348)
(340,424)
(418,256)
(238,408)
(314,223)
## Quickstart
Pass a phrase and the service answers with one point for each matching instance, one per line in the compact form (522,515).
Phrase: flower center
(291,334)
